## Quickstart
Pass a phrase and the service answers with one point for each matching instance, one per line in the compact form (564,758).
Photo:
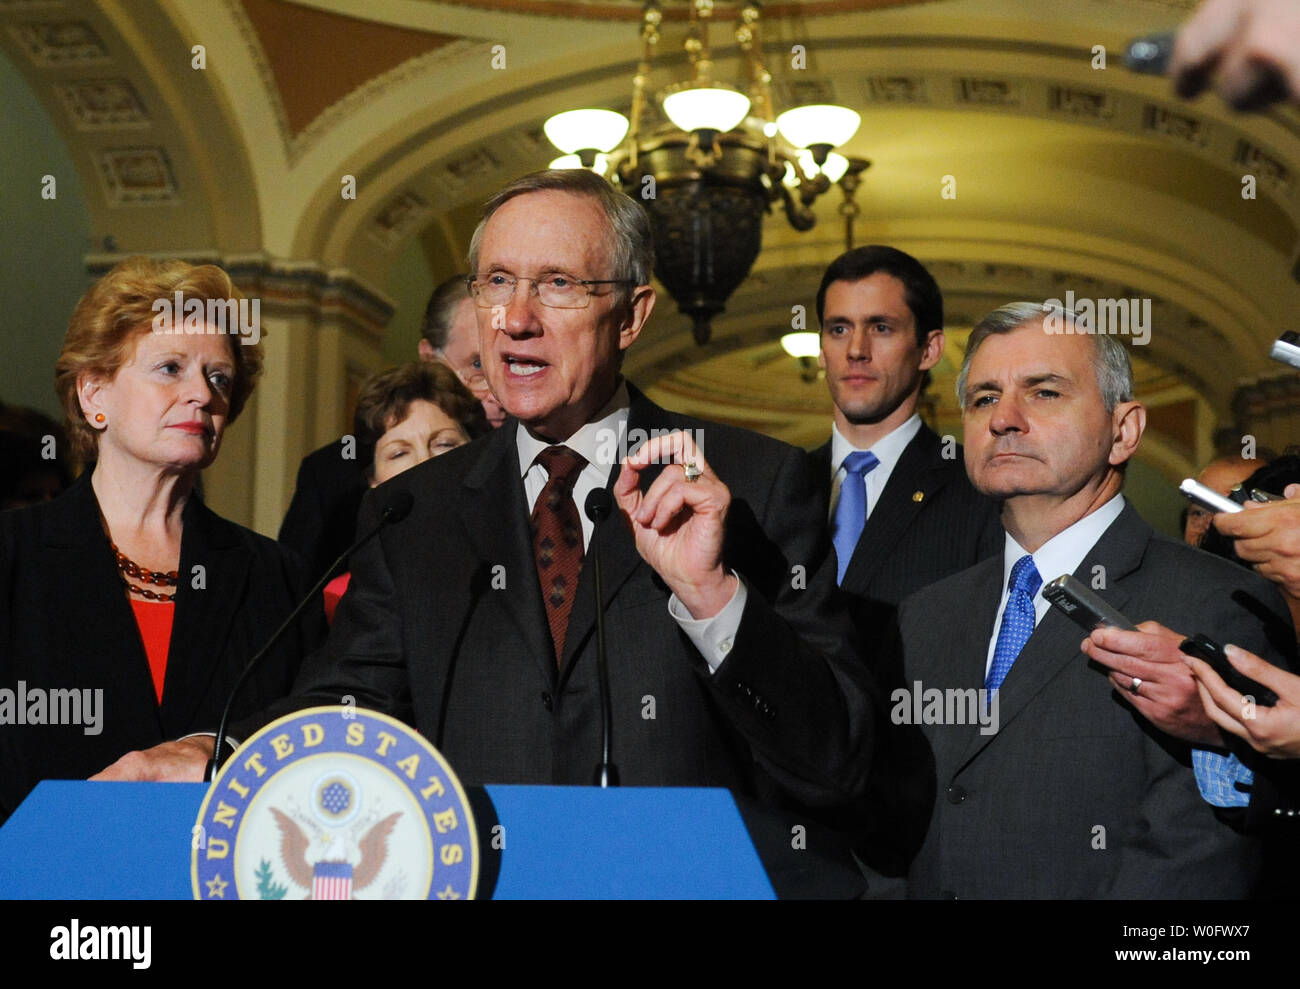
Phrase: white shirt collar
(591,440)
(1064,552)
(887,449)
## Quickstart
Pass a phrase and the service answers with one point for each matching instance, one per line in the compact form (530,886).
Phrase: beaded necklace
(130,570)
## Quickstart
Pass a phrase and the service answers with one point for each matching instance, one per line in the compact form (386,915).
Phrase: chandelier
(723,158)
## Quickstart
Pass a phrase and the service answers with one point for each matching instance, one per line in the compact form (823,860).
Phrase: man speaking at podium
(474,618)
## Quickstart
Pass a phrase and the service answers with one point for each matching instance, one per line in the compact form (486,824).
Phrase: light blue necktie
(1017,621)
(851,509)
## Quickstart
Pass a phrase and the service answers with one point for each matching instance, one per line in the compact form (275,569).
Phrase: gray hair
(1110,357)
(631,247)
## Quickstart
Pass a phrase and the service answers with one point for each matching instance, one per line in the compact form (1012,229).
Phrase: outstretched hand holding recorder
(1144,661)
(1273,729)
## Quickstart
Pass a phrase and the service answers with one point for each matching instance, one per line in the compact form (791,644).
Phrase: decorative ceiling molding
(51,44)
(404,215)
(137,176)
(103,104)
(305,48)
(1177,124)
(630,10)
(297,144)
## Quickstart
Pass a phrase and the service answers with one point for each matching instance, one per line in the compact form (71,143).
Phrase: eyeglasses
(473,376)
(554,291)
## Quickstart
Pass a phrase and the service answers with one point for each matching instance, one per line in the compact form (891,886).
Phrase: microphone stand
(399,506)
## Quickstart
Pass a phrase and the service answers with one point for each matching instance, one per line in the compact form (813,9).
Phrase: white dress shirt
(1215,773)
(1061,554)
(713,637)
(888,449)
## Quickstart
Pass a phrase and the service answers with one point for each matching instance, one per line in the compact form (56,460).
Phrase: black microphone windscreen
(399,506)
(598,505)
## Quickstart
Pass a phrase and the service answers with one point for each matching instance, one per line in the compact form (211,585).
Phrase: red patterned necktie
(557,538)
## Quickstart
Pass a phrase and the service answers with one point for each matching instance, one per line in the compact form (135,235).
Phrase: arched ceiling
(1069,177)
(630,10)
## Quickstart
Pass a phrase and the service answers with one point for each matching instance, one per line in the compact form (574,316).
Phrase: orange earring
(99,417)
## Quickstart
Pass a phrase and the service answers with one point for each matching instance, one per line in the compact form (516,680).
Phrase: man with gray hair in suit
(1075,792)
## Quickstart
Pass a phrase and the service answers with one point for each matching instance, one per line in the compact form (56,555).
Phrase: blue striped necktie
(851,509)
(1017,620)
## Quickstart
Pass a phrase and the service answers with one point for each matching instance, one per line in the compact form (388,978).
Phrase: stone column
(322,332)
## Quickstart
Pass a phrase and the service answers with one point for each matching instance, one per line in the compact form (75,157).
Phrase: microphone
(598,506)
(479,583)
(398,507)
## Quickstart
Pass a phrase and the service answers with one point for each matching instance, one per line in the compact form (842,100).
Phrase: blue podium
(92,841)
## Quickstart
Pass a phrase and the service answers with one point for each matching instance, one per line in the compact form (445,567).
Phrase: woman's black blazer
(66,624)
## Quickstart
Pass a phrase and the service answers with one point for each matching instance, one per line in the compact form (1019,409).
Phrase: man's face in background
(1222,475)
(874,364)
(461,355)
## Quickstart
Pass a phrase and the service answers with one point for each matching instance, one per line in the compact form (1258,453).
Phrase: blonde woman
(126,594)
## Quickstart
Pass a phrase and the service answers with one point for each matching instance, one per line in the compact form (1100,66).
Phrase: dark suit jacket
(908,544)
(443,625)
(65,622)
(322,518)
(1017,813)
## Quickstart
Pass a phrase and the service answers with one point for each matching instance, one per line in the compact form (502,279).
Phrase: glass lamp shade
(802,344)
(578,130)
(821,123)
(706,108)
(601,167)
(835,167)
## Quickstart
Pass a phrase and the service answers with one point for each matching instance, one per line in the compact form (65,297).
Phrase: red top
(333,592)
(154,619)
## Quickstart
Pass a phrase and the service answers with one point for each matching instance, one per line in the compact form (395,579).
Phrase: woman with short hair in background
(405,415)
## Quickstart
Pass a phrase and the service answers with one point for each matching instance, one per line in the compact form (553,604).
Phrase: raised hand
(1274,731)
(679,523)
(1267,534)
(1147,669)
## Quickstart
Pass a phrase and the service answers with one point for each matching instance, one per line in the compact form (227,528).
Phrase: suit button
(546,700)
(956,794)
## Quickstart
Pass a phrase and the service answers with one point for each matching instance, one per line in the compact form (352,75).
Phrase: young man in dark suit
(903,514)
(1050,776)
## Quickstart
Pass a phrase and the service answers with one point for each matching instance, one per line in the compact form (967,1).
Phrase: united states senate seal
(335,803)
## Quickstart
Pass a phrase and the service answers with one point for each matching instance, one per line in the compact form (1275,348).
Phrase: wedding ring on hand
(1133,687)
(693,472)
